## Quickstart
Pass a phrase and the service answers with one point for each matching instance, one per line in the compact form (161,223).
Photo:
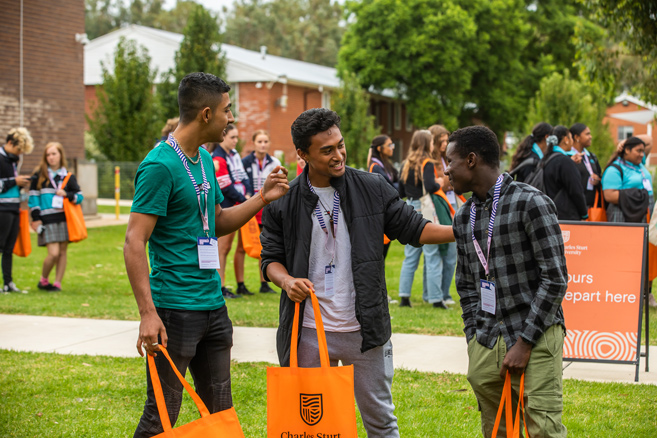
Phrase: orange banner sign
(603,302)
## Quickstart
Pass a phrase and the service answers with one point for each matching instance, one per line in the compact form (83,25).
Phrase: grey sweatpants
(373,372)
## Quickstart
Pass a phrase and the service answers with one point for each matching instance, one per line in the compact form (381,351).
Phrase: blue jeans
(432,262)
(446,269)
(200,340)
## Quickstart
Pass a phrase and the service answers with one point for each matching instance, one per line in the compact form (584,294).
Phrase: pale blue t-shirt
(633,177)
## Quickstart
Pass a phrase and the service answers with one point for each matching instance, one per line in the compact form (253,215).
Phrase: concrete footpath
(251,344)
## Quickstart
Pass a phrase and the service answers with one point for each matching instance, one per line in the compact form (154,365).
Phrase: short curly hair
(312,122)
(480,140)
(21,139)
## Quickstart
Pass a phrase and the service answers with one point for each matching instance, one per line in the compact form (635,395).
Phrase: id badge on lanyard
(208,253)
(486,287)
(329,270)
(57,201)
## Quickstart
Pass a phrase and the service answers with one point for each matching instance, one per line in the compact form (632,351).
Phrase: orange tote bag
(305,402)
(512,428)
(597,213)
(77,229)
(223,424)
(251,238)
(23,246)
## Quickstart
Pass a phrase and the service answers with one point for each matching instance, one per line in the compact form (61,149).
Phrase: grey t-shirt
(338,310)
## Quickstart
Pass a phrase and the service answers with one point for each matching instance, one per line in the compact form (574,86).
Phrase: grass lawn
(110,209)
(96,286)
(51,395)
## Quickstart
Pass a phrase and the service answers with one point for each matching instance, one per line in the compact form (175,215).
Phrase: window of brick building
(625,132)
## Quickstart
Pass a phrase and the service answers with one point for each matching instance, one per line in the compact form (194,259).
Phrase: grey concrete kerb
(251,344)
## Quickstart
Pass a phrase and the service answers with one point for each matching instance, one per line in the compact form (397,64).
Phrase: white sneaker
(11,287)
(449,301)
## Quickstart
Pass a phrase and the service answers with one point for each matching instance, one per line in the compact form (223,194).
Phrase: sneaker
(54,288)
(242,290)
(405,302)
(440,305)
(11,287)
(449,302)
(228,294)
(47,286)
(651,300)
(265,289)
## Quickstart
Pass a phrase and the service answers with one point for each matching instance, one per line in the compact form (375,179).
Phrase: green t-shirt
(163,188)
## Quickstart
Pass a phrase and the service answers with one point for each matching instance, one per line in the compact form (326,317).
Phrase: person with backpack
(50,184)
(417,182)
(530,152)
(561,178)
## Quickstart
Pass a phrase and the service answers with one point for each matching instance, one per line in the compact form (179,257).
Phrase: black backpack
(536,178)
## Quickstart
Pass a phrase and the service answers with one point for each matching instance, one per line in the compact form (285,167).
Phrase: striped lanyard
(257,182)
(333,218)
(206,186)
(52,179)
(491,223)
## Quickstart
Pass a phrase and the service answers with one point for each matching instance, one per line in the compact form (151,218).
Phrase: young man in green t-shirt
(180,303)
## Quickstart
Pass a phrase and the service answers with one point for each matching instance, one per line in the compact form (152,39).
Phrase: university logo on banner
(565,234)
(312,408)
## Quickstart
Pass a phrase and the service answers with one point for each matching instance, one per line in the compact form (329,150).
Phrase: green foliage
(200,50)
(308,30)
(124,122)
(352,103)
(562,100)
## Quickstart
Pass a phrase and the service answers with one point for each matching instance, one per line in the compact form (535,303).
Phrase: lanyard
(333,220)
(206,186)
(491,223)
(257,183)
(52,181)
(587,163)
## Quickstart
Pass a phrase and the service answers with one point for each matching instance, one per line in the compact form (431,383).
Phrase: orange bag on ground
(512,428)
(23,246)
(597,213)
(223,424)
(311,401)
(251,238)
(77,229)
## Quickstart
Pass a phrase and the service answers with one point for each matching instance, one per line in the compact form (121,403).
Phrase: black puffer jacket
(371,207)
(564,187)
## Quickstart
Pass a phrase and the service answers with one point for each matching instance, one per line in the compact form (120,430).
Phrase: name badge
(208,253)
(451,196)
(329,273)
(646,184)
(589,185)
(487,296)
(57,201)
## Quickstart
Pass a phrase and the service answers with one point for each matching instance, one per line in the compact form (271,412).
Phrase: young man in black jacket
(326,235)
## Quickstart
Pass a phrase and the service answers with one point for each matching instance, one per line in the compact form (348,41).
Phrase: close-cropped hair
(197,91)
(479,140)
(21,139)
(310,123)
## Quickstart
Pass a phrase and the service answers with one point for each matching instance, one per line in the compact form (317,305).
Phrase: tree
(307,30)
(357,125)
(124,122)
(562,100)
(200,50)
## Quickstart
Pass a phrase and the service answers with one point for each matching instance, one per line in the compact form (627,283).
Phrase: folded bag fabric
(251,238)
(77,229)
(512,428)
(311,401)
(23,246)
(223,424)
(597,213)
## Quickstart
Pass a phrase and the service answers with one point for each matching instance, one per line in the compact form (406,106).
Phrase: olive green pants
(543,389)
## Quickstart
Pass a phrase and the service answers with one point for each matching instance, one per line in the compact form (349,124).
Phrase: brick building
(630,116)
(49,98)
(269,91)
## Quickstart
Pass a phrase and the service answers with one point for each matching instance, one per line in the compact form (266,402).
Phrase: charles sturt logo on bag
(311,408)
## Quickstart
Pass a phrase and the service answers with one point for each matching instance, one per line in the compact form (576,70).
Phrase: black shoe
(228,294)
(405,302)
(47,287)
(440,305)
(242,290)
(265,289)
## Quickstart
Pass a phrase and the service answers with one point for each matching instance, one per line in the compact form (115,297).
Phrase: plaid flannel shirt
(527,264)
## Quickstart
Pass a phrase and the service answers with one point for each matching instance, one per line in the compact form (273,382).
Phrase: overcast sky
(213,5)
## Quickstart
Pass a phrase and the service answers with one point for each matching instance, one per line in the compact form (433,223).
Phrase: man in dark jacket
(326,235)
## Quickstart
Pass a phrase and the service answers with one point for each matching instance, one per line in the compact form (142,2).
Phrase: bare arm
(140,227)
(297,289)
(231,219)
(611,196)
(434,233)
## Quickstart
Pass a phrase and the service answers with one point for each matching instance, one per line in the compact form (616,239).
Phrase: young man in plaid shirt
(511,277)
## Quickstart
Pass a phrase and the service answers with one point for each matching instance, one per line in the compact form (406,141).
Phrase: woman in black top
(418,178)
(530,151)
(561,177)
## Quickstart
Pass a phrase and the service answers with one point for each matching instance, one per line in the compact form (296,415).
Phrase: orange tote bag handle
(321,336)
(512,428)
